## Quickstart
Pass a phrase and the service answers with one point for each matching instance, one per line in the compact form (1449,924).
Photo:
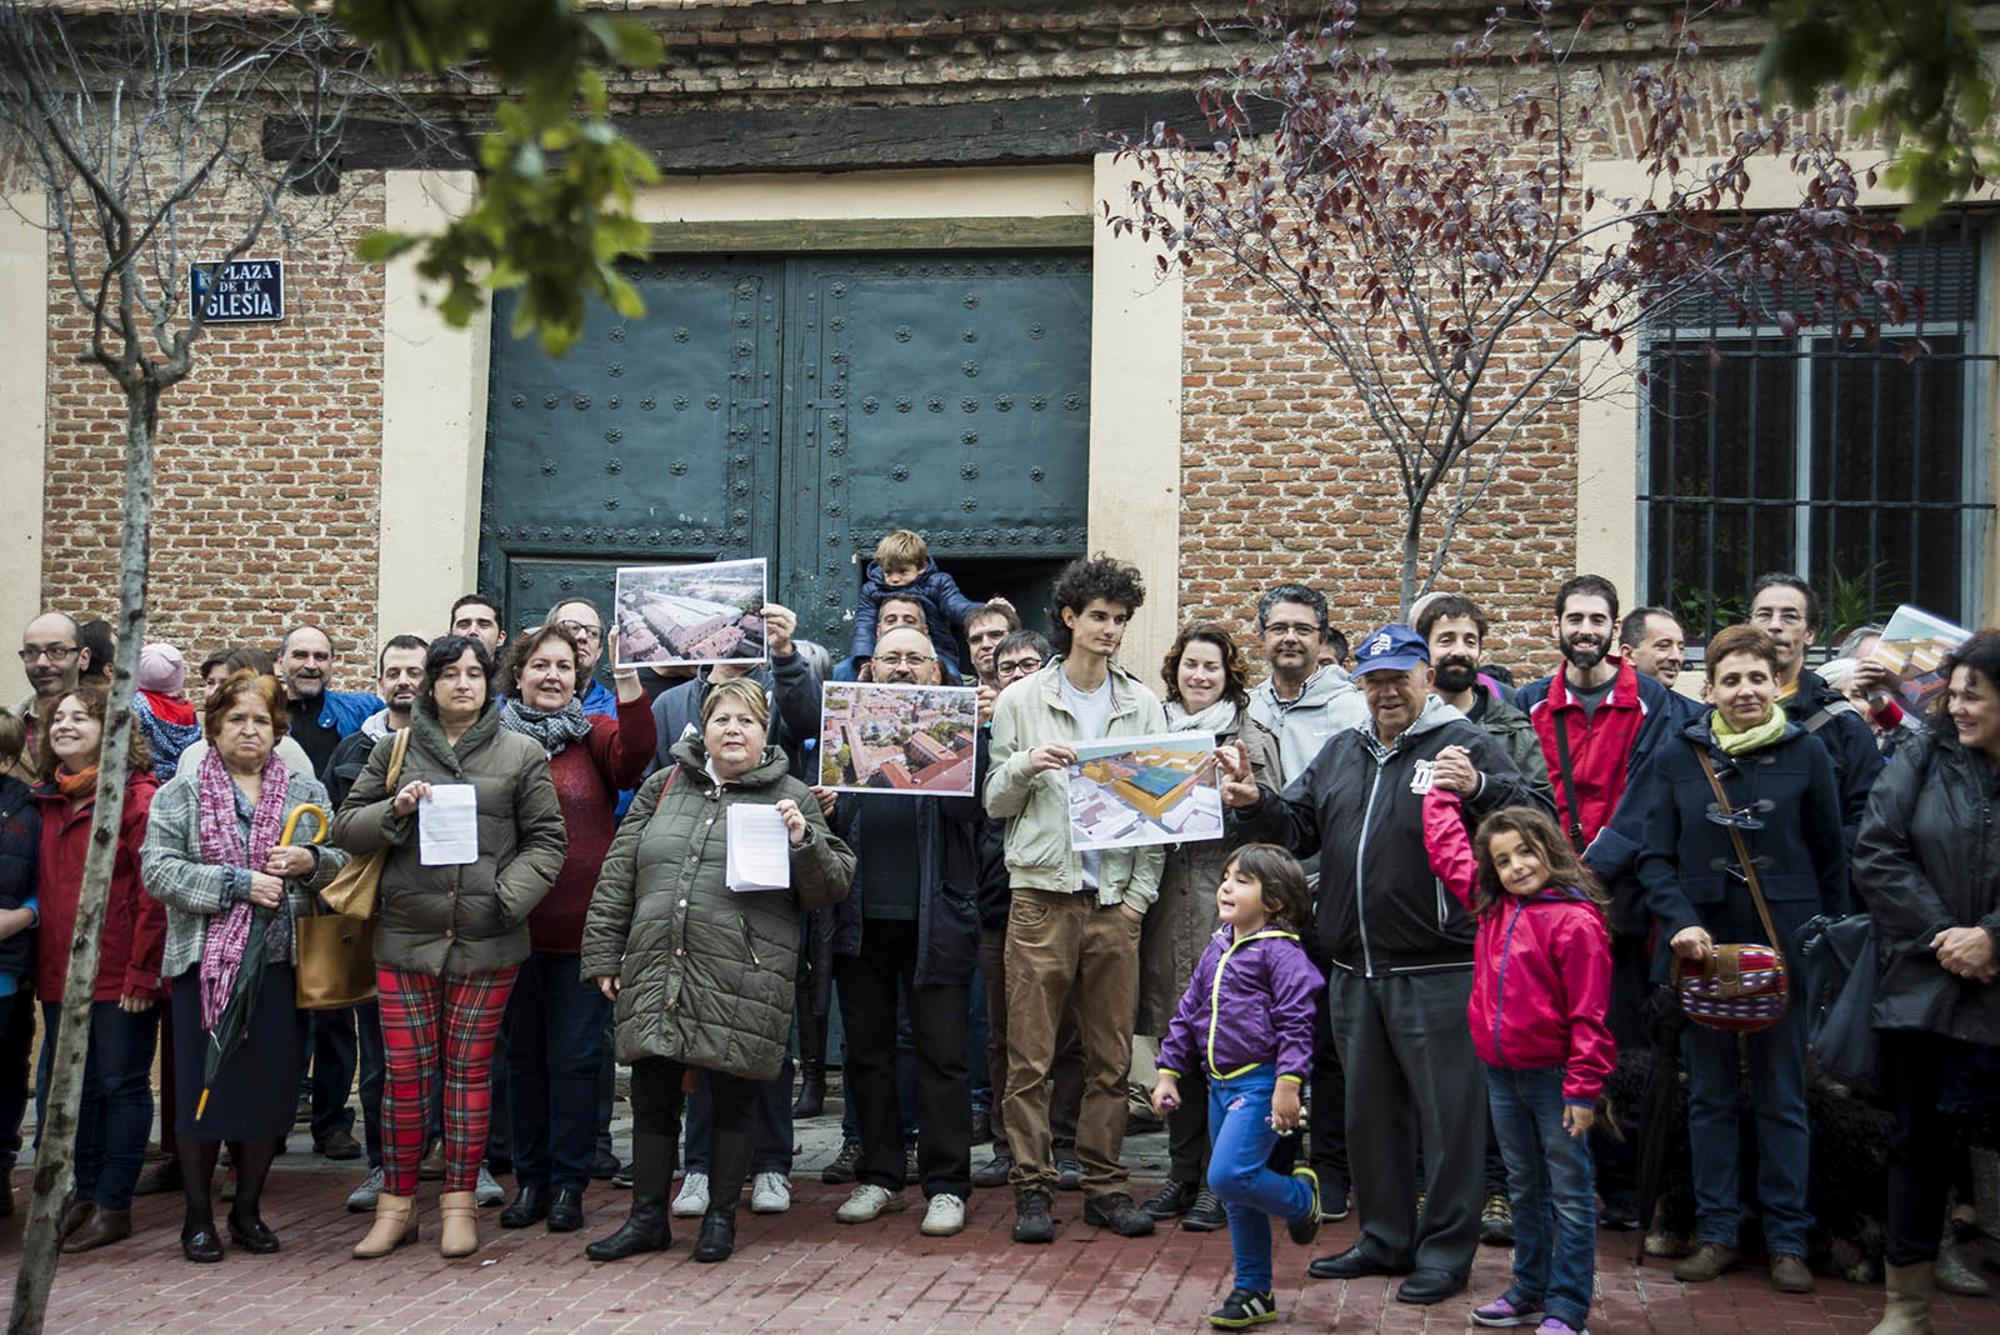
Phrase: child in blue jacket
(1248,1015)
(903,567)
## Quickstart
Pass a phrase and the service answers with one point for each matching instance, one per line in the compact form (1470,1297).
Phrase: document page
(448,825)
(760,849)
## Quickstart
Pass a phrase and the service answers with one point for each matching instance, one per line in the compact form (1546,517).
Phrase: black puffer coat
(1929,859)
(20,847)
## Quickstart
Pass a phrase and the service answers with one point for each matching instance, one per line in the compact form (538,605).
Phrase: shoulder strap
(397,750)
(1569,786)
(1736,838)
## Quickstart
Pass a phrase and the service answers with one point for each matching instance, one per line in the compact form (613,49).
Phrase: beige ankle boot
(395,1224)
(458,1212)
(1909,1310)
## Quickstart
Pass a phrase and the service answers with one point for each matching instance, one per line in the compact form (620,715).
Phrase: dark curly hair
(1981,654)
(446,650)
(1083,581)
(1233,671)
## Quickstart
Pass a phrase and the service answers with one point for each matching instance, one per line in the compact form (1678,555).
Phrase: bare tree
(1433,232)
(138,124)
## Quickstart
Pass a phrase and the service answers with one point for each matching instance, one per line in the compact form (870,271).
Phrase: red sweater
(135,923)
(589,776)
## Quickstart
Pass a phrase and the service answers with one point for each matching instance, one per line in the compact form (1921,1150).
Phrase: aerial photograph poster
(691,615)
(1144,790)
(920,740)
(1914,646)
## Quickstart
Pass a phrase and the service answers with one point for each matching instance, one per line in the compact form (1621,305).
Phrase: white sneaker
(692,1203)
(770,1193)
(362,1199)
(944,1217)
(487,1191)
(868,1203)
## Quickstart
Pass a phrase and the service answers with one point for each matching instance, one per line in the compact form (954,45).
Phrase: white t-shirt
(1093,716)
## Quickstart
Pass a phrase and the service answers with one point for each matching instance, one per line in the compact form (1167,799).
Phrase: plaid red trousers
(425,1016)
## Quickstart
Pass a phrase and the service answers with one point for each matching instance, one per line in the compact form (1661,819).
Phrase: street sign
(240,292)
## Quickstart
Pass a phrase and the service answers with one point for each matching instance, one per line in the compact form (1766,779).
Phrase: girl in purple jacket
(1247,1015)
(1541,982)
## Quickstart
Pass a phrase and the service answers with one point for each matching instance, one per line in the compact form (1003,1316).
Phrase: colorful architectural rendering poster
(1914,646)
(686,616)
(920,740)
(1144,790)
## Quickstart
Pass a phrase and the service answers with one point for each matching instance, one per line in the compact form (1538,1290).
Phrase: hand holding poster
(1914,646)
(920,740)
(691,615)
(1144,790)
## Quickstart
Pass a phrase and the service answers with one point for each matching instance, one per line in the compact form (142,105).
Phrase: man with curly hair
(1073,921)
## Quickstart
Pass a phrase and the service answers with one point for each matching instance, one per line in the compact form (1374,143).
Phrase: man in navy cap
(1401,949)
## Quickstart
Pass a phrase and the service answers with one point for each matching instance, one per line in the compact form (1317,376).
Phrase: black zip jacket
(20,848)
(1380,909)
(1857,761)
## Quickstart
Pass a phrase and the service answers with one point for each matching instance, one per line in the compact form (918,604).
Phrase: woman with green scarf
(1786,806)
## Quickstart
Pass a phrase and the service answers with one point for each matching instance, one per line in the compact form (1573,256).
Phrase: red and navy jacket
(1605,751)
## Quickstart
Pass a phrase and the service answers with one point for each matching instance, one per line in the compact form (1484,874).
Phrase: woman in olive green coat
(703,976)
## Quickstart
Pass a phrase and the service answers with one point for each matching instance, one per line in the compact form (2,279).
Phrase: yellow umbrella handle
(292,823)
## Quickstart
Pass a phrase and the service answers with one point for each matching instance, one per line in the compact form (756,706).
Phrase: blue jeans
(1241,1138)
(1553,1190)
(117,1112)
(770,1130)
(555,1024)
(976,1030)
(1777,1061)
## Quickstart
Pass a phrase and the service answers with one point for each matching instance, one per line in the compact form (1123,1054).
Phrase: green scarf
(1736,743)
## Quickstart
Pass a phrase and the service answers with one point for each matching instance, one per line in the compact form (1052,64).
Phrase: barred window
(1842,461)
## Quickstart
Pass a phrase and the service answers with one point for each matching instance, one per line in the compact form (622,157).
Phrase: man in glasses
(582,619)
(52,659)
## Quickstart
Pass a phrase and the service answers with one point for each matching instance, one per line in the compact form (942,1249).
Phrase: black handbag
(1838,958)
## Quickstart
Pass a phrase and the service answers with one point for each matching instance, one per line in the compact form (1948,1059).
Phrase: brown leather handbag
(1741,988)
(352,891)
(335,952)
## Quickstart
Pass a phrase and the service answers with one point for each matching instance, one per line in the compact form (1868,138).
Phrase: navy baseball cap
(1394,648)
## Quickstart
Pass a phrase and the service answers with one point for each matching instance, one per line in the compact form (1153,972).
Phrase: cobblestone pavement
(803,1271)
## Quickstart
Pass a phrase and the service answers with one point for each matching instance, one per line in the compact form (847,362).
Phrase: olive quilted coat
(706,974)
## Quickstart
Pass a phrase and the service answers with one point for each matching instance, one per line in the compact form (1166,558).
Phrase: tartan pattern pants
(422,1012)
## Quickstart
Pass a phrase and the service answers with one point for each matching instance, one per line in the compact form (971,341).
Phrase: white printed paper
(760,849)
(448,825)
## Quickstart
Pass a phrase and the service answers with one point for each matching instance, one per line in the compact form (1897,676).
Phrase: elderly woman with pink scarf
(213,857)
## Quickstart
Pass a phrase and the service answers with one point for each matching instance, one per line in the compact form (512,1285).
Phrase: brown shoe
(1711,1261)
(74,1217)
(458,1213)
(103,1228)
(395,1224)
(1789,1274)
(431,1167)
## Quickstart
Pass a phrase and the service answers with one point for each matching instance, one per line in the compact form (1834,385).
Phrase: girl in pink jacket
(1541,983)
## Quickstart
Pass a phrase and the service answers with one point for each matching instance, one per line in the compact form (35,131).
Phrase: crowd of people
(1443,905)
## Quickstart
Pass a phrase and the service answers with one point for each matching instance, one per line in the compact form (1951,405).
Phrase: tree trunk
(1412,558)
(55,1160)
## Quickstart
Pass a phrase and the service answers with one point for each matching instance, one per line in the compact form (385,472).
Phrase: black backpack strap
(1569,788)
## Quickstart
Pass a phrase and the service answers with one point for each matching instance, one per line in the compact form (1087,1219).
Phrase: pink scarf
(222,844)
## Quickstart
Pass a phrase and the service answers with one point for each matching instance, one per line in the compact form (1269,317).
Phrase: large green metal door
(798,409)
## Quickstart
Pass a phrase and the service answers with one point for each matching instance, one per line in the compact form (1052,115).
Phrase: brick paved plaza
(802,1271)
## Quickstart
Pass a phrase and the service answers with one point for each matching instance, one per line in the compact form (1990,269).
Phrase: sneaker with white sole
(868,1202)
(944,1216)
(770,1193)
(487,1190)
(362,1199)
(692,1203)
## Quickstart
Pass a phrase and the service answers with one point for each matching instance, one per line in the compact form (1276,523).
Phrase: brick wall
(268,465)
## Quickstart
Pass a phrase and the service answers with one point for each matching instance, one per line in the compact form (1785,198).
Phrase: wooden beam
(874,234)
(837,138)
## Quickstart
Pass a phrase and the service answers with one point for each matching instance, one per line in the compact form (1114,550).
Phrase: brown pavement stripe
(802,1271)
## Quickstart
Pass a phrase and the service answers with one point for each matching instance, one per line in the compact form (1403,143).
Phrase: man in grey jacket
(1301,702)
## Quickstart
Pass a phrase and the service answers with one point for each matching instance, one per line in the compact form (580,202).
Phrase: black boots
(812,1065)
(646,1229)
(728,1165)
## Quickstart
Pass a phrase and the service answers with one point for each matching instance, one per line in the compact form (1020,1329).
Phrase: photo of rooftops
(685,616)
(1144,790)
(898,739)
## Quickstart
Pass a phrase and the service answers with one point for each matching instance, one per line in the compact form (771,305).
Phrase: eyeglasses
(904,660)
(55,653)
(1298,628)
(579,631)
(1016,667)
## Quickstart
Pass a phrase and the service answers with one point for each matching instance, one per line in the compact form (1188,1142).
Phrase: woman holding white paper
(702,975)
(453,925)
